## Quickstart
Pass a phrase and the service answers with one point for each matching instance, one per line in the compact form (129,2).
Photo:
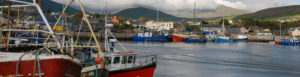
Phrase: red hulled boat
(277,42)
(124,64)
(177,37)
(22,64)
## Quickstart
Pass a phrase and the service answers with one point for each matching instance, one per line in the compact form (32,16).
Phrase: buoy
(97,60)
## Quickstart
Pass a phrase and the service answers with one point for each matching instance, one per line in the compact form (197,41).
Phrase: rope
(118,42)
(18,63)
(38,61)
(79,32)
(59,19)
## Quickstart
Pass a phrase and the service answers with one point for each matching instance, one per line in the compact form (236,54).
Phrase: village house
(265,32)
(159,26)
(115,20)
(294,31)
(236,31)
(289,19)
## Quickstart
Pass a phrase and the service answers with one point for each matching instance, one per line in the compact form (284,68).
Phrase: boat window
(116,60)
(124,60)
(134,57)
(107,60)
(130,58)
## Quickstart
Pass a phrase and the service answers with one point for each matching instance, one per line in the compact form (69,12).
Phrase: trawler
(116,60)
(32,51)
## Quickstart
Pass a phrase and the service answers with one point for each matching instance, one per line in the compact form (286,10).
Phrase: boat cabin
(120,60)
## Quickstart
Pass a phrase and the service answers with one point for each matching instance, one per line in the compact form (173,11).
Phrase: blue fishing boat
(148,36)
(241,38)
(290,42)
(209,35)
(223,40)
(195,40)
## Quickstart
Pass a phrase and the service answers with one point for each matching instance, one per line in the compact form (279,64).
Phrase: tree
(96,15)
(204,22)
(122,18)
(143,19)
(192,28)
(226,22)
(248,21)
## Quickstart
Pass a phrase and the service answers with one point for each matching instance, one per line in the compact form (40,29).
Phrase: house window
(116,60)
(124,60)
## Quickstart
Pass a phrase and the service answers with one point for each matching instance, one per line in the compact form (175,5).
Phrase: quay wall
(120,36)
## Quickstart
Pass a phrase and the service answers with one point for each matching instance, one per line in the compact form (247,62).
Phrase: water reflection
(221,60)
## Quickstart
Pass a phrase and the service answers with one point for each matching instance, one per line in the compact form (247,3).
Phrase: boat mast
(157,13)
(105,21)
(223,21)
(195,14)
(46,22)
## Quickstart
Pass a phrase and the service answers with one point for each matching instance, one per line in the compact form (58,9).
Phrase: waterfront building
(159,26)
(295,32)
(211,28)
(115,20)
(264,33)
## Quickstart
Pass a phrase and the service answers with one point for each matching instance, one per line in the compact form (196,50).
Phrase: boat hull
(153,38)
(241,40)
(143,71)
(220,40)
(189,40)
(277,42)
(49,68)
(177,38)
(286,43)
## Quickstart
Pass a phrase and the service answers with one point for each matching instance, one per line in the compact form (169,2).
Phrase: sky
(177,5)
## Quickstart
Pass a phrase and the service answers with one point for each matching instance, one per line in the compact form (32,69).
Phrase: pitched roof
(233,30)
(210,26)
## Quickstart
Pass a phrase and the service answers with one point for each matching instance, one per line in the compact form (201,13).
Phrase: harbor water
(221,59)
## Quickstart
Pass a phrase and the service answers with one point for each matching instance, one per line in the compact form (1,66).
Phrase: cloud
(235,4)
(177,5)
(169,5)
(255,5)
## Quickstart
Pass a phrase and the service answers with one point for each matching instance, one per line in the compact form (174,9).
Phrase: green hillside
(49,5)
(135,13)
(276,13)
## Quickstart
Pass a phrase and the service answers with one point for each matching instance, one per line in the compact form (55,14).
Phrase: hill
(49,5)
(137,12)
(276,13)
(210,13)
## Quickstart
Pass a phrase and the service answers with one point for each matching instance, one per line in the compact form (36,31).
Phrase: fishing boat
(24,53)
(148,36)
(195,40)
(223,38)
(193,37)
(119,63)
(290,42)
(117,60)
(241,38)
(178,37)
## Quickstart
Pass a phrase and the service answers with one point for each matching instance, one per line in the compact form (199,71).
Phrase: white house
(295,32)
(159,26)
